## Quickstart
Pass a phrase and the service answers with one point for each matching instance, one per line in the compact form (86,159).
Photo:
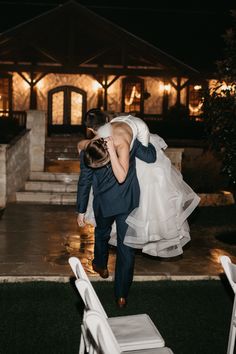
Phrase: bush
(177,129)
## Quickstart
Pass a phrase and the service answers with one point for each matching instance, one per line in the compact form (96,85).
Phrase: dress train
(159,225)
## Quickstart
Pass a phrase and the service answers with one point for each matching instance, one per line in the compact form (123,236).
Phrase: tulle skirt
(159,226)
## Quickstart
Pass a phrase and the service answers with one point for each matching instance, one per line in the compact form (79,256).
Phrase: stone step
(63,157)
(46,197)
(50,186)
(59,147)
(54,176)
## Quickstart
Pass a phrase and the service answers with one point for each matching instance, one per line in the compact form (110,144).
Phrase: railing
(18,116)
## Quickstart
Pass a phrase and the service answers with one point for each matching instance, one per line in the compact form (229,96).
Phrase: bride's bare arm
(119,159)
(82,144)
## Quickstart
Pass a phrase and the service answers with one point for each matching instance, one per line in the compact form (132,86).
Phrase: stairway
(49,188)
(61,147)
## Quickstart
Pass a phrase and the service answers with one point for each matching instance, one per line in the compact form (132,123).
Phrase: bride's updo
(96,154)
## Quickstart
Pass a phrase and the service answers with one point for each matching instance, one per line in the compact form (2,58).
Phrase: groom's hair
(95,118)
(96,154)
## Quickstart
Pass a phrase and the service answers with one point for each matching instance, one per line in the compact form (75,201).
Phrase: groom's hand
(80,220)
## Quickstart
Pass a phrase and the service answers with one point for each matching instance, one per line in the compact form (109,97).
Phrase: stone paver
(37,240)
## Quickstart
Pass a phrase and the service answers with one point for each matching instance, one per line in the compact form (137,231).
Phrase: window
(132,95)
(195,100)
(5,95)
(66,105)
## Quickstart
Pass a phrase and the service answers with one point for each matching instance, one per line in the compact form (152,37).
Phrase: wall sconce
(165,88)
(197,87)
(96,85)
(40,84)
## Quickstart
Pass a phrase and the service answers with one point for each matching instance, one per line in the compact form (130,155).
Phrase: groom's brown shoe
(103,272)
(121,302)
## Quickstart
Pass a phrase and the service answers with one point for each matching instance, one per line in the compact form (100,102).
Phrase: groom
(113,201)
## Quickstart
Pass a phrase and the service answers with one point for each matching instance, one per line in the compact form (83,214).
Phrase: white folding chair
(132,332)
(104,338)
(230,271)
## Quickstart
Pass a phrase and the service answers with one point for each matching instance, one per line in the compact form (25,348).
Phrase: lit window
(195,100)
(4,95)
(133,95)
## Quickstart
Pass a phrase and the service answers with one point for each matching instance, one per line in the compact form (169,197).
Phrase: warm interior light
(96,85)
(134,93)
(226,87)
(226,192)
(195,109)
(40,84)
(165,87)
(197,87)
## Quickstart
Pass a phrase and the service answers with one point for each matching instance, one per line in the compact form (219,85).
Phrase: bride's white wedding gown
(159,225)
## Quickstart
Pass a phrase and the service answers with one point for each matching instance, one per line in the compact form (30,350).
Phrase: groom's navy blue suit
(113,201)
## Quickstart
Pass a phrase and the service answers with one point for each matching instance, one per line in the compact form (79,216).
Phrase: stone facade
(14,167)
(175,155)
(152,85)
(3,148)
(36,123)
(22,156)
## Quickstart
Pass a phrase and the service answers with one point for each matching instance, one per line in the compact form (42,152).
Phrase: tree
(219,107)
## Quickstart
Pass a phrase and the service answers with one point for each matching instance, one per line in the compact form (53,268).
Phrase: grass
(43,317)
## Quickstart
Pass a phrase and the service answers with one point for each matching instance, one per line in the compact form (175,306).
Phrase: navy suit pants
(125,255)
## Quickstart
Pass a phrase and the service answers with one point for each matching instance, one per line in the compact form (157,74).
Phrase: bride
(159,225)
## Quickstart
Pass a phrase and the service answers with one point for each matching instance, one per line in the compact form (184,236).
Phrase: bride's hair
(96,154)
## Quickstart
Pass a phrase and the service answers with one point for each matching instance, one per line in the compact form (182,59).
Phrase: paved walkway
(37,240)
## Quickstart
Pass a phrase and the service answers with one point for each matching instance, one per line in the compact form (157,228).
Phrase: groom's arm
(84,186)
(145,153)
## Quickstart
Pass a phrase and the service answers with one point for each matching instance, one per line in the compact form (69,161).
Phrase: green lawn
(43,317)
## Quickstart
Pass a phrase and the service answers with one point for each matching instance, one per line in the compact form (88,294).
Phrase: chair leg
(232,332)
(231,341)
(82,344)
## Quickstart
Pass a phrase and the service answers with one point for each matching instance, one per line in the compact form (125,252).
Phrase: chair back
(230,271)
(89,297)
(101,332)
(77,268)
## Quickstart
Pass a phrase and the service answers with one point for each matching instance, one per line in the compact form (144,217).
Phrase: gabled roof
(72,38)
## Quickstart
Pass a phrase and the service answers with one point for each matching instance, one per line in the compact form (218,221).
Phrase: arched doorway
(66,109)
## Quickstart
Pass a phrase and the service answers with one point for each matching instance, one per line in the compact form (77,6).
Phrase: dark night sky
(190,31)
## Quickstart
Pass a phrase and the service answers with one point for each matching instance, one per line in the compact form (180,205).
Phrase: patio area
(36,242)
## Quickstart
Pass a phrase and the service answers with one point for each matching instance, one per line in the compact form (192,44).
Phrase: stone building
(70,59)
(58,65)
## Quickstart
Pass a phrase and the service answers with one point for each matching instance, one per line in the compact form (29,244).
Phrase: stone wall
(36,123)
(22,155)
(175,155)
(152,85)
(14,167)
(3,148)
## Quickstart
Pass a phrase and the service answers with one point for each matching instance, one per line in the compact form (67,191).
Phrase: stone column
(3,175)
(36,122)
(175,155)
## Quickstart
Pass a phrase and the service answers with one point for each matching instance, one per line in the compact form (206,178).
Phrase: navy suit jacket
(110,196)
